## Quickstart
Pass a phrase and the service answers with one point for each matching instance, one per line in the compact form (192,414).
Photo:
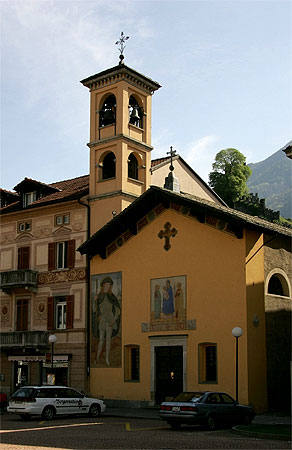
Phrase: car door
(229,409)
(213,406)
(77,402)
(61,401)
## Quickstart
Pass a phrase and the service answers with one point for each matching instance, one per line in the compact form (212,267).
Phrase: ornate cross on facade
(167,233)
(172,154)
(122,47)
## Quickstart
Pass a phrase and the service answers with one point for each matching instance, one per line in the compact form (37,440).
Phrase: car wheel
(211,423)
(25,416)
(94,410)
(48,413)
(175,425)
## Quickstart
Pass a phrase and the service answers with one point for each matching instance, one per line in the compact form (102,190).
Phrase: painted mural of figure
(168,302)
(179,301)
(108,312)
(157,302)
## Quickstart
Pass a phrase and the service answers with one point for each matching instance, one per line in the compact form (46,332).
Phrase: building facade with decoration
(173,273)
(43,284)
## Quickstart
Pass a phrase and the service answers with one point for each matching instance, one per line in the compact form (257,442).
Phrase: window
(132,363)
(61,255)
(207,363)
(23,258)
(63,219)
(24,226)
(109,166)
(22,314)
(60,312)
(278,285)
(28,198)
(132,167)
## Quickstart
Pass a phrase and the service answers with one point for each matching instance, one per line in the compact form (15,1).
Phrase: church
(172,273)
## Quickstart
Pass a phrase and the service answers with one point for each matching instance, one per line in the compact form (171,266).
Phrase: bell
(108,117)
(134,117)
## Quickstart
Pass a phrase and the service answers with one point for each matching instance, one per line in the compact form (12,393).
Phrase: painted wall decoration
(168,303)
(106,310)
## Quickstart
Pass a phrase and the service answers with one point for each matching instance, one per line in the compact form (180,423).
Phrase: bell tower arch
(120,139)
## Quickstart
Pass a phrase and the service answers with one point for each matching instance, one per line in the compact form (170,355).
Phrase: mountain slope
(271,179)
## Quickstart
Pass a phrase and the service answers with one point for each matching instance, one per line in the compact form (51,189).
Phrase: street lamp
(52,340)
(237,332)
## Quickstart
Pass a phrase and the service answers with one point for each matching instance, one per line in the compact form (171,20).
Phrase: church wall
(216,302)
(256,329)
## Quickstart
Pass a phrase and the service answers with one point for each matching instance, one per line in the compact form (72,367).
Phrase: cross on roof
(172,153)
(167,233)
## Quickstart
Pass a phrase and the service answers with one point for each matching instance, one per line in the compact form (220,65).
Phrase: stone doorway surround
(163,341)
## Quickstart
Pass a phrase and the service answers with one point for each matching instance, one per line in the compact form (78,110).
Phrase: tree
(229,176)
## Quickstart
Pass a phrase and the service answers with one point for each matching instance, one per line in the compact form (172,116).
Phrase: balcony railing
(14,279)
(24,339)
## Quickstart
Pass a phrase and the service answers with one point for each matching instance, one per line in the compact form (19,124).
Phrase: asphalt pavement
(153,413)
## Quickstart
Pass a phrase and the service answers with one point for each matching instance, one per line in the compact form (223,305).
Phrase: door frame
(165,341)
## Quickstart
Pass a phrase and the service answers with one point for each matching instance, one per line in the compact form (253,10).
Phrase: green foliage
(229,175)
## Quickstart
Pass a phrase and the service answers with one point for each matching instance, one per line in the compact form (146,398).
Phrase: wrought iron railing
(18,278)
(24,338)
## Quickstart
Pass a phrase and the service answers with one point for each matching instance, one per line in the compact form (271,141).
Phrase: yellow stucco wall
(257,367)
(214,264)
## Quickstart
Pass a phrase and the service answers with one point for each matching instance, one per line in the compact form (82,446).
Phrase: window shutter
(69,311)
(52,259)
(50,317)
(71,254)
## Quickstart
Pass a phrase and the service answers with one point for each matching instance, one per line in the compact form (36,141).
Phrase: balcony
(15,279)
(24,339)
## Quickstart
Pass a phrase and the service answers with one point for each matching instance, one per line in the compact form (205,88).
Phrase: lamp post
(236,332)
(52,340)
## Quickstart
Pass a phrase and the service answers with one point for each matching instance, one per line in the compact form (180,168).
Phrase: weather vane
(121,43)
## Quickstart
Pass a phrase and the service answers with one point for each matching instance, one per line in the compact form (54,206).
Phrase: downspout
(88,292)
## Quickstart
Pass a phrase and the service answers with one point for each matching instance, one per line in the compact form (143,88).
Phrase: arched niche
(277,283)
(107,166)
(107,111)
(136,111)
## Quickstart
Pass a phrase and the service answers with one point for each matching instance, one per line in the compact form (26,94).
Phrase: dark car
(207,409)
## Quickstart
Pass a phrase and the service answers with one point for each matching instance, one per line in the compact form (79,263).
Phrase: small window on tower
(109,166)
(107,114)
(133,167)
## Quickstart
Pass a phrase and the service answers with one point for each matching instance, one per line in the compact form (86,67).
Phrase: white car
(48,401)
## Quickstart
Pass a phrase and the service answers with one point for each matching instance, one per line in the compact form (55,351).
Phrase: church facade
(171,273)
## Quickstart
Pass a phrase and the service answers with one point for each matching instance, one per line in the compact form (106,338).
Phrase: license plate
(176,408)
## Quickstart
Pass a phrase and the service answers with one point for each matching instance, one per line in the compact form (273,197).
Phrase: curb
(278,437)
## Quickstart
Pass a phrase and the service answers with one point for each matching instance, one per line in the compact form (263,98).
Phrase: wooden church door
(169,372)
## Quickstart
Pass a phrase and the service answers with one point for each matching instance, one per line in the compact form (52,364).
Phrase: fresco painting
(106,310)
(168,303)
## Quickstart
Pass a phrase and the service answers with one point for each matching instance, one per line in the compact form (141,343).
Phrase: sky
(224,67)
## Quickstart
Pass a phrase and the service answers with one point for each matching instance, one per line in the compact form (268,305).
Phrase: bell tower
(120,139)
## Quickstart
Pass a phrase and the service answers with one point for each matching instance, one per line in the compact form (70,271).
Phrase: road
(76,433)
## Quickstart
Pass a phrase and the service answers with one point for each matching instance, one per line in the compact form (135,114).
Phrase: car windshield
(24,392)
(189,397)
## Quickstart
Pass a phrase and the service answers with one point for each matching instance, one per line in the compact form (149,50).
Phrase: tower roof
(119,72)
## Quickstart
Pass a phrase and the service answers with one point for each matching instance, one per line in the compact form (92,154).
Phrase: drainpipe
(88,291)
